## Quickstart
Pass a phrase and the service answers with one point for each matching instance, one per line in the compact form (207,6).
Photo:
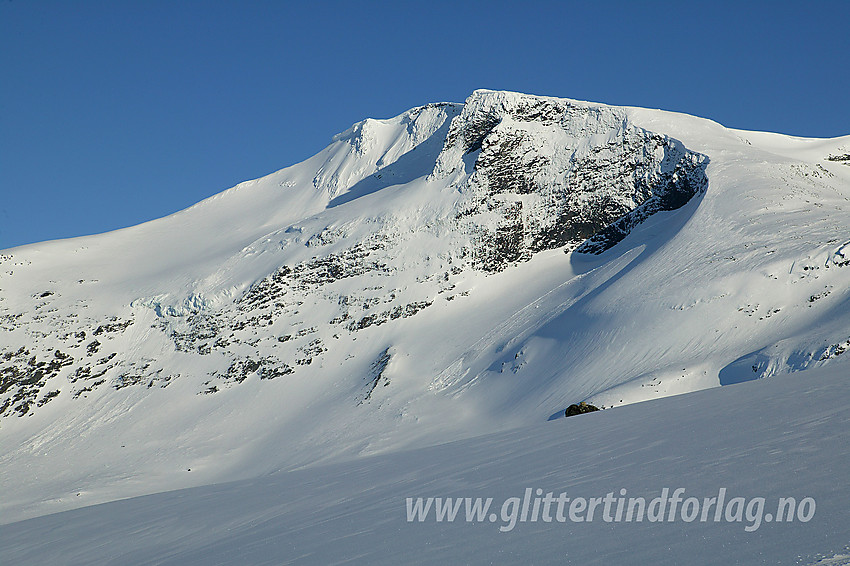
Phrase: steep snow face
(373,145)
(450,271)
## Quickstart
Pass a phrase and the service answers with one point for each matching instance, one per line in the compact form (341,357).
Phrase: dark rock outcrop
(580,409)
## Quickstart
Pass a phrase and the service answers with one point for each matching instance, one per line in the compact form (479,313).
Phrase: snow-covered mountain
(456,270)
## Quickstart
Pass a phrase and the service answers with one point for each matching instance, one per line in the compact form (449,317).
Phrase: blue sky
(117,112)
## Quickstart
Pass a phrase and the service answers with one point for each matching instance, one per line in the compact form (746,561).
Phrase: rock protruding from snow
(553,172)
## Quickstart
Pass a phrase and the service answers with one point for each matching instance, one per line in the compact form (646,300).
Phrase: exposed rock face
(517,174)
(550,173)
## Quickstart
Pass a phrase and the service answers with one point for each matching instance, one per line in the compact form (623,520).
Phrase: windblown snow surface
(457,274)
(783,437)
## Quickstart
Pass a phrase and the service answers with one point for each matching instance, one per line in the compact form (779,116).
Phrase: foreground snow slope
(452,271)
(781,437)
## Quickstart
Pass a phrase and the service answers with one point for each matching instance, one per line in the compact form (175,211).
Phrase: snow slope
(782,437)
(453,271)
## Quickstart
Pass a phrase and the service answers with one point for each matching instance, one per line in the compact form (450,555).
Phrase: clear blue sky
(117,112)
